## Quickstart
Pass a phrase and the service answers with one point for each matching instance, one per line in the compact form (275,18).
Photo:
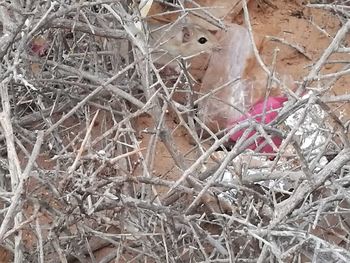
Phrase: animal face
(184,40)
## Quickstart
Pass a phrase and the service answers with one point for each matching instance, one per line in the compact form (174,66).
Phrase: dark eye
(202,40)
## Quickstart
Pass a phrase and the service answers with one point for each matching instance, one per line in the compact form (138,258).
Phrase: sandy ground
(294,23)
(290,20)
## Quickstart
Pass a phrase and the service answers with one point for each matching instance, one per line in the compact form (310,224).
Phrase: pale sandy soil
(291,20)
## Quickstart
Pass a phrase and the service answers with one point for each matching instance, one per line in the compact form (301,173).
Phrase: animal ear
(186,34)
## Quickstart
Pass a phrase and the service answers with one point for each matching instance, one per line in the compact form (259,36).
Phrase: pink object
(39,46)
(272,104)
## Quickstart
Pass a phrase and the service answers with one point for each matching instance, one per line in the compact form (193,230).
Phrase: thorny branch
(85,125)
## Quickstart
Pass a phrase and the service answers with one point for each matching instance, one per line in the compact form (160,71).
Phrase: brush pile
(104,158)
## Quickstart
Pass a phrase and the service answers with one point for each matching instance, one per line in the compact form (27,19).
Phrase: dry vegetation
(100,163)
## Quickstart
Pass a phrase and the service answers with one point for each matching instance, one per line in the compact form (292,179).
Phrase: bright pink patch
(272,104)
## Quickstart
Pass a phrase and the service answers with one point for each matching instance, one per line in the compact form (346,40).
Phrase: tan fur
(181,39)
(236,59)
(217,8)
